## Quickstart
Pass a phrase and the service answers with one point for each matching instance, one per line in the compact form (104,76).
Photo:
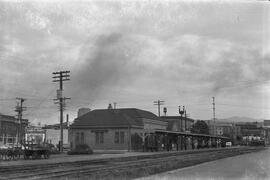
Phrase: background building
(9,129)
(251,131)
(35,134)
(239,132)
(52,134)
(266,126)
(227,129)
(176,123)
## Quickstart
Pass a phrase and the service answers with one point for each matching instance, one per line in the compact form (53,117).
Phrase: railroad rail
(129,167)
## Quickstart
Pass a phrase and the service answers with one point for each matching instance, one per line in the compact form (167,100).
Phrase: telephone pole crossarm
(159,103)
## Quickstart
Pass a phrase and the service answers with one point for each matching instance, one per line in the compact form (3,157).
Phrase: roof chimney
(83,111)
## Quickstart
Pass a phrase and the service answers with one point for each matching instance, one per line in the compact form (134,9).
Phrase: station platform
(64,158)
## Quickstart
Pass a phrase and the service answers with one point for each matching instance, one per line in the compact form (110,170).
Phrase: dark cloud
(106,63)
(189,63)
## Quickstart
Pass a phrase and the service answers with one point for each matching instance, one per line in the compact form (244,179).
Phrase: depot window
(116,138)
(99,137)
(119,137)
(77,137)
(122,137)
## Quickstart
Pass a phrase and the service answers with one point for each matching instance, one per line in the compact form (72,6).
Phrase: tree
(200,127)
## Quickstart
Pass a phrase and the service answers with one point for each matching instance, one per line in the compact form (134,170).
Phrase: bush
(81,149)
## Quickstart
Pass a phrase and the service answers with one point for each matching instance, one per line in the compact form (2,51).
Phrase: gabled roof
(114,118)
(7,117)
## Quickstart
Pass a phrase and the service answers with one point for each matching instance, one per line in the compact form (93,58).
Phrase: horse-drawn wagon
(36,151)
(27,150)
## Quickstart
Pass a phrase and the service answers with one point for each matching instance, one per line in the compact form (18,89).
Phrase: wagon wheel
(16,155)
(9,154)
(4,155)
(1,155)
(25,156)
(21,153)
(47,154)
(35,155)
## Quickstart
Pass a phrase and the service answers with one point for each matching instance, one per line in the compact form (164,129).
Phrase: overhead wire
(41,102)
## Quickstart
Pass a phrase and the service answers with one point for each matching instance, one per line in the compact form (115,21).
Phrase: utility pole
(61,76)
(67,120)
(19,109)
(185,120)
(185,127)
(159,103)
(214,115)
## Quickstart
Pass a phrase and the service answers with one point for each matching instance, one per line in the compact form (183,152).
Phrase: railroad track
(96,168)
(51,165)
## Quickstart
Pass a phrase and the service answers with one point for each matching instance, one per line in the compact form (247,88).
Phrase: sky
(134,53)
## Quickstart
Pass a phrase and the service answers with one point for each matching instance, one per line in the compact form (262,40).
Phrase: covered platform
(163,140)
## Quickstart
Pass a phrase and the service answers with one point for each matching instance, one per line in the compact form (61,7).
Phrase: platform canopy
(189,134)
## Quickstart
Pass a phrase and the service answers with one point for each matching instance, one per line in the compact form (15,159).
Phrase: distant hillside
(240,119)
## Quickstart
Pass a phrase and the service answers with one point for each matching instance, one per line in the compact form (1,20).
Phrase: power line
(8,99)
(42,101)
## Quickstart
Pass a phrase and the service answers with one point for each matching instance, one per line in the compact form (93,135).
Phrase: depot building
(114,128)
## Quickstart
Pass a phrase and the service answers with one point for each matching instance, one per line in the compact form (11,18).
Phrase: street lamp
(181,112)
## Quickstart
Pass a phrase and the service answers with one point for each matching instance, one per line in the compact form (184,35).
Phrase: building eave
(102,127)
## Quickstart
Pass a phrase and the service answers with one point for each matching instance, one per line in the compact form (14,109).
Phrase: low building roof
(56,126)
(125,117)
(173,118)
(8,118)
(190,134)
